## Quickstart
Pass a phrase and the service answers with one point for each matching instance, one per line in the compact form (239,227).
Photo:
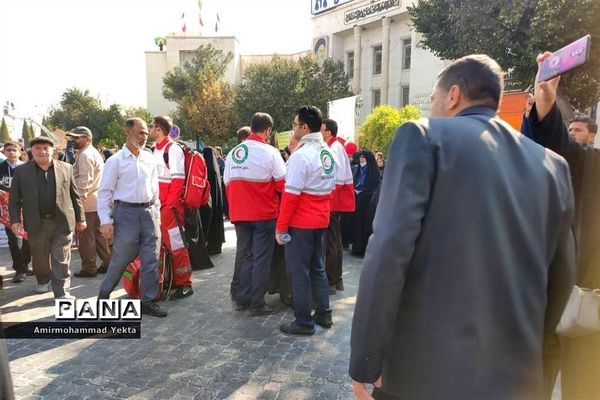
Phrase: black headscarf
(372,176)
(215,228)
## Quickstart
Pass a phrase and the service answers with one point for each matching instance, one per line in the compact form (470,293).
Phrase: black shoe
(340,285)
(264,310)
(29,272)
(103,296)
(19,277)
(294,329)
(323,320)
(332,290)
(241,307)
(85,274)
(153,309)
(103,269)
(181,292)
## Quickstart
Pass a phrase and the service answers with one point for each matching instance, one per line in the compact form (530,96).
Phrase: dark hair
(311,116)
(243,133)
(261,122)
(164,123)
(331,126)
(479,78)
(591,124)
(12,143)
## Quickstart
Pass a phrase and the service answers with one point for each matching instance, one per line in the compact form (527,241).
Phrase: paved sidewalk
(204,349)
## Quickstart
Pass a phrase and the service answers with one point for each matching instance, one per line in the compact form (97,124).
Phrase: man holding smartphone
(578,357)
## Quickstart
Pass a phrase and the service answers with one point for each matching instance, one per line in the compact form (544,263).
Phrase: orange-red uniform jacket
(309,183)
(254,174)
(343,195)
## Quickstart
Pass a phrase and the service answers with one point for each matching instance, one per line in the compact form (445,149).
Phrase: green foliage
(30,136)
(25,132)
(283,85)
(380,126)
(4,133)
(513,32)
(78,107)
(204,100)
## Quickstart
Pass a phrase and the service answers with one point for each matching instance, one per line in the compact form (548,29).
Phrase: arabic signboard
(370,10)
(319,6)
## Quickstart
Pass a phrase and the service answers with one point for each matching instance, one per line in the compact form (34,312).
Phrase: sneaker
(241,307)
(85,274)
(19,277)
(340,285)
(293,329)
(323,320)
(181,292)
(67,295)
(264,310)
(42,288)
(153,309)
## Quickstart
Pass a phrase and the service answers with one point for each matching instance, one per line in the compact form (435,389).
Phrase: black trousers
(333,250)
(21,256)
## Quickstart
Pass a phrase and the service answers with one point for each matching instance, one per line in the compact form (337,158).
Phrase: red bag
(131,276)
(197,187)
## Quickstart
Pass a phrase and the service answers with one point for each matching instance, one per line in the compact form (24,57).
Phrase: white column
(357,59)
(385,59)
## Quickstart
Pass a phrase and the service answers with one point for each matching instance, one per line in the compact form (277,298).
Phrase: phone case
(565,59)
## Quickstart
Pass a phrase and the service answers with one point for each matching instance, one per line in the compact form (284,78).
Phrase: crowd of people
(473,235)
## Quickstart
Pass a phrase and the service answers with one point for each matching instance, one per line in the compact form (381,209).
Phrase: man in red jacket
(305,208)
(254,173)
(171,184)
(343,202)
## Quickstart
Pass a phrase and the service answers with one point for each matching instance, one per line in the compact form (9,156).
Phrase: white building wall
(180,48)
(424,65)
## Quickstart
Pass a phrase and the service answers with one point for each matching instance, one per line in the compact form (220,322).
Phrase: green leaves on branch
(380,126)
(513,32)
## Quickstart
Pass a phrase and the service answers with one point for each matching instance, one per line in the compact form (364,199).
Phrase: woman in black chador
(212,221)
(366,181)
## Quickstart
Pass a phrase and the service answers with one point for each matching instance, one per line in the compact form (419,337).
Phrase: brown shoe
(85,274)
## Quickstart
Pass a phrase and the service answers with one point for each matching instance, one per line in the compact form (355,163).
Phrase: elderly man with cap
(44,193)
(88,174)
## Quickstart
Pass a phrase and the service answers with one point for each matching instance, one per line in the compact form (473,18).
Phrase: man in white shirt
(88,173)
(130,185)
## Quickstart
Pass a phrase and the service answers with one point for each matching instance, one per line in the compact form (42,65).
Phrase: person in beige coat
(88,174)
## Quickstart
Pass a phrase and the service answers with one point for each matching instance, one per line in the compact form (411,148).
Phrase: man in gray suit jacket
(471,260)
(44,190)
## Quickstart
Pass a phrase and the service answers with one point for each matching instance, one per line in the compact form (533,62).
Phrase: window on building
(406,49)
(350,64)
(376,60)
(404,93)
(376,97)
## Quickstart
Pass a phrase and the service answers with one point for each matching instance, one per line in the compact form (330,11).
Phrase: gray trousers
(135,233)
(51,256)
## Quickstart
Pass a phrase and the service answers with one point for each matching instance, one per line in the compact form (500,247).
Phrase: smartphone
(563,60)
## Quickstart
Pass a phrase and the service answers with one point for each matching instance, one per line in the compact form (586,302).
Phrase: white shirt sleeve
(154,186)
(278,166)
(107,189)
(176,162)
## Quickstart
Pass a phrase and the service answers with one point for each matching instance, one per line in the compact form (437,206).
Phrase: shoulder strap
(166,153)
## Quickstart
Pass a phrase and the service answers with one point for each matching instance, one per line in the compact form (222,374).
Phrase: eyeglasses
(297,124)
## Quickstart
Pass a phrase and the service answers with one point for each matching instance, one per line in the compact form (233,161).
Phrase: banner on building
(343,111)
(373,9)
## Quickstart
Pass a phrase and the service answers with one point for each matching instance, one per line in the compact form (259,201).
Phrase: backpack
(131,276)
(197,187)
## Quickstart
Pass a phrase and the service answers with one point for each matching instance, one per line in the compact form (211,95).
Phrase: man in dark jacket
(471,260)
(19,247)
(579,360)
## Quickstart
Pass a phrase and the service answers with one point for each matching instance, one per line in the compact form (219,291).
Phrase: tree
(25,134)
(78,107)
(203,98)
(283,85)
(4,133)
(30,136)
(380,126)
(513,32)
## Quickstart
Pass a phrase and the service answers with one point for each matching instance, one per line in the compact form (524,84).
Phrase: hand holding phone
(569,57)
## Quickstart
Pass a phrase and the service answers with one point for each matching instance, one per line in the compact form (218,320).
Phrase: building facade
(379,50)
